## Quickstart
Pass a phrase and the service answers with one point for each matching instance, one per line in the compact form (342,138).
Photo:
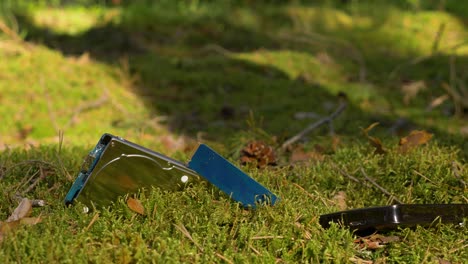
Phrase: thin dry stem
(380,187)
(326,120)
(344,173)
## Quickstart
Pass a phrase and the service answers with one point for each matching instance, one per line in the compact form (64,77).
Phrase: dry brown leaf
(24,209)
(135,205)
(414,139)
(375,241)
(299,155)
(375,142)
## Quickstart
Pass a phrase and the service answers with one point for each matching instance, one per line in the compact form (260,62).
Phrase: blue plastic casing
(230,179)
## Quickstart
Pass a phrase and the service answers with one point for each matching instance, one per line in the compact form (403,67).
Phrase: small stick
(344,173)
(341,107)
(304,190)
(94,219)
(187,234)
(224,258)
(266,237)
(42,175)
(255,250)
(380,187)
(64,170)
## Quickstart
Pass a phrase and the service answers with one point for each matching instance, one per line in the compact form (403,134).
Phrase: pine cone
(260,153)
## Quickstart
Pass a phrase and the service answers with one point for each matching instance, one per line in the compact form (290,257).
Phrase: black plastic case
(401,215)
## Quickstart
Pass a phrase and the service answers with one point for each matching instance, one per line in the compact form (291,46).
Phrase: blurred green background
(204,67)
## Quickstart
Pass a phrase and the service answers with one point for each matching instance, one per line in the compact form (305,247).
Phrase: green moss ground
(167,75)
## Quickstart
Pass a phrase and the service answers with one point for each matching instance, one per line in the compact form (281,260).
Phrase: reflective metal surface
(120,167)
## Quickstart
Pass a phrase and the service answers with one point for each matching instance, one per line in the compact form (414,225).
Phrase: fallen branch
(382,189)
(326,120)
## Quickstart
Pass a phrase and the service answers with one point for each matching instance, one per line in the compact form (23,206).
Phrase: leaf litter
(20,216)
(414,139)
(375,241)
(375,142)
(406,144)
(135,205)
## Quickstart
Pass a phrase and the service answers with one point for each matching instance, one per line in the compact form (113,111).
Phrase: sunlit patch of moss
(72,20)
(413,32)
(295,64)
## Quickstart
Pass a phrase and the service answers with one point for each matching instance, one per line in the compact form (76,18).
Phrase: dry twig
(64,170)
(42,175)
(224,258)
(326,120)
(187,234)
(380,187)
(344,173)
(93,220)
